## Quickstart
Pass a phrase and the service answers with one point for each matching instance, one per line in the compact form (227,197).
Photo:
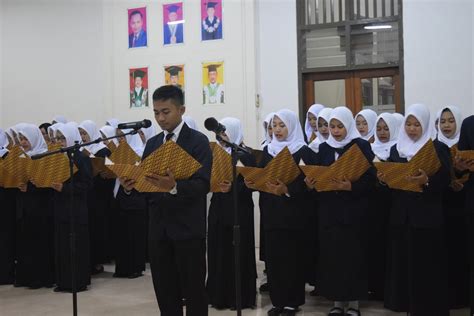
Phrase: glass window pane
(325,48)
(331,93)
(371,46)
(378,94)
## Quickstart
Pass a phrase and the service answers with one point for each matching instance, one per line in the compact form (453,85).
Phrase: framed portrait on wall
(174,75)
(173,23)
(213,91)
(211,20)
(137,36)
(138,87)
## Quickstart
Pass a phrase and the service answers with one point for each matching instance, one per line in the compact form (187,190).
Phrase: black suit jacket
(181,216)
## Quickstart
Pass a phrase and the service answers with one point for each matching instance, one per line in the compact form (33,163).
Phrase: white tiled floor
(123,297)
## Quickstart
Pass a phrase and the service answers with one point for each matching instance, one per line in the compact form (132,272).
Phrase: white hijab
(60,119)
(110,131)
(36,139)
(135,142)
(267,121)
(382,150)
(450,142)
(325,114)
(15,129)
(148,132)
(70,132)
(295,139)
(112,122)
(405,146)
(54,128)
(91,128)
(400,119)
(371,117)
(344,115)
(233,129)
(190,122)
(315,109)
(3,143)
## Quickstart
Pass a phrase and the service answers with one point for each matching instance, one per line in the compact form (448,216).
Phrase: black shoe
(289,312)
(354,312)
(58,289)
(263,287)
(135,275)
(336,311)
(313,292)
(275,311)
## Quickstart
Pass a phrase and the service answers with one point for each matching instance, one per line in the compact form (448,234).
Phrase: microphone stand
(70,151)
(235,150)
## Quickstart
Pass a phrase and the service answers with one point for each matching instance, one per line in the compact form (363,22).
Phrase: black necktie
(169,136)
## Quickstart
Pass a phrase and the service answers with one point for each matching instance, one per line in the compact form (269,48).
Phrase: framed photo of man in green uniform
(213,90)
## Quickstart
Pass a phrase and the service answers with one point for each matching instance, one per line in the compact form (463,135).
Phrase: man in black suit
(177,227)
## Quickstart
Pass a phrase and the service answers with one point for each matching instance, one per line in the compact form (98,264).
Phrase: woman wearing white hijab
(385,138)
(449,125)
(342,217)
(268,133)
(3,143)
(68,135)
(454,198)
(134,141)
(112,122)
(147,133)
(386,135)
(99,200)
(311,123)
(285,218)
(190,122)
(52,132)
(89,132)
(35,253)
(60,119)
(7,224)
(323,129)
(109,131)
(416,271)
(14,132)
(365,123)
(131,223)
(267,129)
(221,273)
(400,118)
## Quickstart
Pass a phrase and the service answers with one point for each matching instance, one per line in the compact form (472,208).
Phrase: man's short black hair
(169,92)
(45,126)
(136,12)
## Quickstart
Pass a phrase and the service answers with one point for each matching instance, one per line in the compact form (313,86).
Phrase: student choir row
(362,241)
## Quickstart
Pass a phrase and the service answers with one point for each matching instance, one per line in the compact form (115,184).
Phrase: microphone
(211,124)
(135,125)
(39,156)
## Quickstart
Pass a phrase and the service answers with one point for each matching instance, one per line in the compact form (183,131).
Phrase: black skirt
(7,235)
(285,266)
(343,262)
(221,267)
(131,242)
(63,256)
(416,271)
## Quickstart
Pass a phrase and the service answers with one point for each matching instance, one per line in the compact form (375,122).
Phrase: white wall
(236,50)
(276,51)
(52,60)
(439,50)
